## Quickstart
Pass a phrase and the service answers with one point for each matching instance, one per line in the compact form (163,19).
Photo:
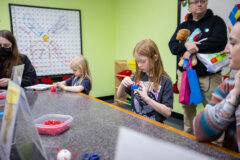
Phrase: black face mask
(5,52)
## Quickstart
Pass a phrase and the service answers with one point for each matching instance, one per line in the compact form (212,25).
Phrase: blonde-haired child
(81,80)
(154,97)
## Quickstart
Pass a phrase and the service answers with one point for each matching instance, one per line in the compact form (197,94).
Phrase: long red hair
(149,49)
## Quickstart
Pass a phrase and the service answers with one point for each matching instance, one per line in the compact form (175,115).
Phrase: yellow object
(13,95)
(229,29)
(45,38)
(132,64)
(237,14)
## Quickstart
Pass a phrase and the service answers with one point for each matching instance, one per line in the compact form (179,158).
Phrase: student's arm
(4,82)
(176,47)
(164,108)
(60,84)
(72,88)
(126,82)
(63,85)
(67,82)
(85,85)
(29,74)
(218,114)
(159,107)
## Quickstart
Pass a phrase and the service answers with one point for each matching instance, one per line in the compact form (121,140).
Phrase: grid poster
(50,37)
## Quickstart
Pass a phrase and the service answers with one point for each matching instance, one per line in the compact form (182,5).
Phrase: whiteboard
(222,8)
(50,37)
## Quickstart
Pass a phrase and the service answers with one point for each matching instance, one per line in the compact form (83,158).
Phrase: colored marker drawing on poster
(32,25)
(61,24)
(49,37)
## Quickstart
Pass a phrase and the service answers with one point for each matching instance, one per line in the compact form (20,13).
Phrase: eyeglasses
(196,2)
(6,45)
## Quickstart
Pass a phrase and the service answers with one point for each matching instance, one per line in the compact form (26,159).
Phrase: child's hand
(60,85)
(4,82)
(142,90)
(127,82)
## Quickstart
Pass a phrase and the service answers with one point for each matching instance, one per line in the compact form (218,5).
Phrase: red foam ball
(53,89)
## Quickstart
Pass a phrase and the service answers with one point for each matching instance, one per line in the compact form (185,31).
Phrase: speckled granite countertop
(95,126)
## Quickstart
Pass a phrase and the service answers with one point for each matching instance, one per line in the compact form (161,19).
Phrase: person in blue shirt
(81,80)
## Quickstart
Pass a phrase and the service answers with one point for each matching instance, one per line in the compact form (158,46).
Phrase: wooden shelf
(120,65)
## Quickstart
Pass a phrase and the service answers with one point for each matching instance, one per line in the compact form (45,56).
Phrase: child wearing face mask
(81,79)
(9,57)
(154,97)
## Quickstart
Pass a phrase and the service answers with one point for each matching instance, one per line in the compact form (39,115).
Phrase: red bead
(53,89)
